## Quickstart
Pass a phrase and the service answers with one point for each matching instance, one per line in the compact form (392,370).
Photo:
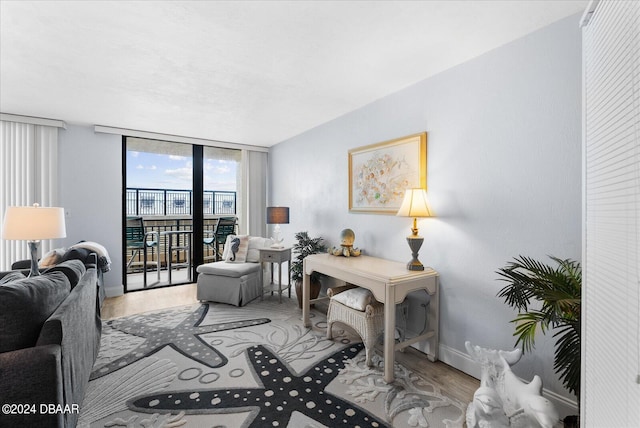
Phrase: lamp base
(33,249)
(415,242)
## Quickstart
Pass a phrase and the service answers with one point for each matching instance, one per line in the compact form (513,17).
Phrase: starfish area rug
(215,365)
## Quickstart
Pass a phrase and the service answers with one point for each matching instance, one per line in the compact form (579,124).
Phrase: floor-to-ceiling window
(177,192)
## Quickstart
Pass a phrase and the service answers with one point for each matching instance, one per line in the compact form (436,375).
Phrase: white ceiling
(250,72)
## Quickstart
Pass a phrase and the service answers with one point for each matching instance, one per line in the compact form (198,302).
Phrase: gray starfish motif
(280,394)
(182,338)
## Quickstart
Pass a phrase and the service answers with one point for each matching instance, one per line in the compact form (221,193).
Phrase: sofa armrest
(32,376)
(21,264)
(76,327)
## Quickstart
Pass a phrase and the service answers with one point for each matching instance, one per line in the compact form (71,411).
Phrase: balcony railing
(163,202)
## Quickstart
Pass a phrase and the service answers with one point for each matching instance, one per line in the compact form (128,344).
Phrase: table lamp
(415,204)
(33,224)
(277,216)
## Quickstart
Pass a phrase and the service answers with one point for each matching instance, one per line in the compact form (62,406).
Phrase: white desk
(389,281)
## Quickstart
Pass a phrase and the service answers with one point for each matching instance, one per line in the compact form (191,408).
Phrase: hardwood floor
(453,382)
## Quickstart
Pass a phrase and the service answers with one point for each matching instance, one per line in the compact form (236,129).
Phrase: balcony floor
(178,276)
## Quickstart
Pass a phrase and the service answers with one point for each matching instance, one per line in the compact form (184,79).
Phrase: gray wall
(91,193)
(504,171)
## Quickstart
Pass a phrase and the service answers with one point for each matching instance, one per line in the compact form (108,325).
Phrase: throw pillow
(255,244)
(25,305)
(227,247)
(81,254)
(238,248)
(355,298)
(52,258)
(11,276)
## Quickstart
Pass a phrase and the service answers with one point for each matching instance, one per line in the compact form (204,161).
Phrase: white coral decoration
(416,418)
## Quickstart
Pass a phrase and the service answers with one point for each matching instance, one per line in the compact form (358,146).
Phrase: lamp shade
(277,215)
(415,204)
(33,223)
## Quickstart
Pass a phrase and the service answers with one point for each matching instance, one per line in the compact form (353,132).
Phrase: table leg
(272,281)
(170,250)
(280,282)
(389,335)
(434,323)
(189,256)
(262,280)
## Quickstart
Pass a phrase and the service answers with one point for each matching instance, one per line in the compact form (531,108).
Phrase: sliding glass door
(175,193)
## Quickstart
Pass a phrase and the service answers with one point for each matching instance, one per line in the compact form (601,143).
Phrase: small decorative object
(415,204)
(347,238)
(303,248)
(380,173)
(33,224)
(277,216)
(503,400)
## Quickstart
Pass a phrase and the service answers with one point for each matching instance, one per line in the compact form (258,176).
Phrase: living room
(504,177)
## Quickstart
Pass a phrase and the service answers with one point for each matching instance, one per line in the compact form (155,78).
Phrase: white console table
(390,282)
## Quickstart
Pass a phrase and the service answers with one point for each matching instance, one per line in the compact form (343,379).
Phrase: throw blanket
(104,262)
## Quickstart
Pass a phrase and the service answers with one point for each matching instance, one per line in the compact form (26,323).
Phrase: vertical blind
(29,174)
(611,298)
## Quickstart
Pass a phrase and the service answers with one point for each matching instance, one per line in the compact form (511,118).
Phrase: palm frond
(559,291)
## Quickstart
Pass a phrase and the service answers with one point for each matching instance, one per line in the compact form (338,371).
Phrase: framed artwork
(380,173)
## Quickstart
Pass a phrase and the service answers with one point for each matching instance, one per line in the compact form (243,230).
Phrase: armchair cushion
(25,305)
(232,270)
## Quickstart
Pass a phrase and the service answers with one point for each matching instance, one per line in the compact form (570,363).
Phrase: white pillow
(52,258)
(238,247)
(255,244)
(356,298)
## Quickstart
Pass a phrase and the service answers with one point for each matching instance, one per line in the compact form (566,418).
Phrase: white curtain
(29,174)
(254,197)
(611,276)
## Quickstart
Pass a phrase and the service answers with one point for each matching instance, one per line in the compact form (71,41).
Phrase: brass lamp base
(415,242)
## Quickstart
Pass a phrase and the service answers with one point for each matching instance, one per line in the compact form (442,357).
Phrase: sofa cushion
(233,270)
(11,276)
(25,305)
(72,269)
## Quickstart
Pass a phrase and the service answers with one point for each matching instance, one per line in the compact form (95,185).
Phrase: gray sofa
(49,339)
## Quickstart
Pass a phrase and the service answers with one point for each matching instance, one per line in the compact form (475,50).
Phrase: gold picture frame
(380,173)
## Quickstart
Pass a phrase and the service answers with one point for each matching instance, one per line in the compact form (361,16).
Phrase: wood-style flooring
(452,382)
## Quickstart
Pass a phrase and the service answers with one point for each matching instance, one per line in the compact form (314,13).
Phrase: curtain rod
(177,138)
(32,120)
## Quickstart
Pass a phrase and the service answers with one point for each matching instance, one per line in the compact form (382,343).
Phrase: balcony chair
(138,239)
(225,226)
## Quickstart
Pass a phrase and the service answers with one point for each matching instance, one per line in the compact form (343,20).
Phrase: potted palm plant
(304,247)
(558,289)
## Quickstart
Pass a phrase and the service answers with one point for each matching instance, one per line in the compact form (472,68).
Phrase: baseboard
(463,362)
(114,290)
